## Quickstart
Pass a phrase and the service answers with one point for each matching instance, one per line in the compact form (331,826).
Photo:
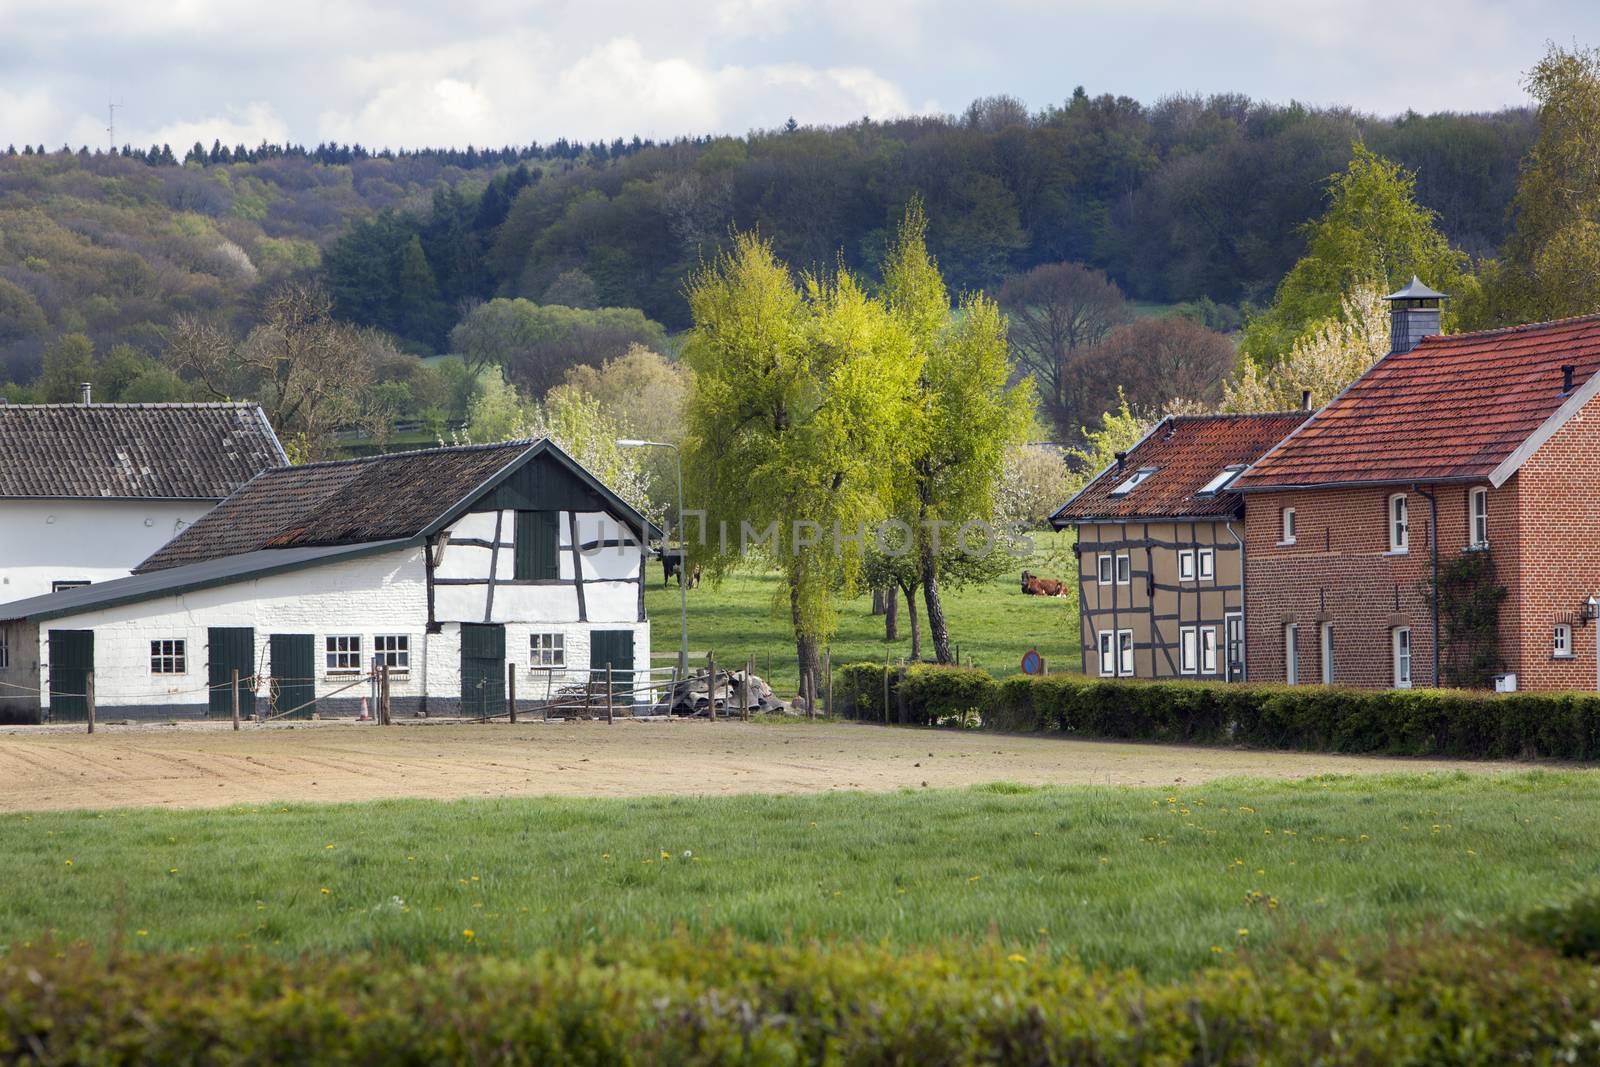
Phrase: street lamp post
(683,560)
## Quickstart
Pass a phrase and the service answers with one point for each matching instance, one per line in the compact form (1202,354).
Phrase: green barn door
(483,670)
(230,648)
(71,660)
(294,674)
(616,648)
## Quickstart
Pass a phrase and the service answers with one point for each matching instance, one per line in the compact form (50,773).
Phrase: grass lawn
(1162,881)
(994,623)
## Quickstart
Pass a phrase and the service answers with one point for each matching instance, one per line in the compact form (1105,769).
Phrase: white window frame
(1206,564)
(1138,478)
(1287,518)
(169,655)
(1400,645)
(547,649)
(1326,652)
(392,651)
(1561,642)
(1186,567)
(341,654)
(1222,480)
(1105,568)
(1108,653)
(1399,524)
(62,585)
(1229,621)
(1188,649)
(1208,650)
(1478,517)
(1291,654)
(1124,568)
(1125,653)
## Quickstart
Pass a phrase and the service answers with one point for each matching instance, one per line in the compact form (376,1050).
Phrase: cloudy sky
(453,72)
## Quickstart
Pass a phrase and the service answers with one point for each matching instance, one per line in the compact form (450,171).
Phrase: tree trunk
(805,645)
(881,600)
(930,595)
(916,625)
(891,615)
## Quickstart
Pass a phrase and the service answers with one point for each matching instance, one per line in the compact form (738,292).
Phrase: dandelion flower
(142,933)
(468,934)
(1017,957)
(1244,931)
(665,854)
(974,878)
(69,863)
(327,846)
(326,891)
(688,855)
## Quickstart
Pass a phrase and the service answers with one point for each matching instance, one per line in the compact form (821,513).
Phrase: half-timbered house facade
(1160,549)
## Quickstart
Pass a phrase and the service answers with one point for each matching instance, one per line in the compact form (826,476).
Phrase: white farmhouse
(87,491)
(446,565)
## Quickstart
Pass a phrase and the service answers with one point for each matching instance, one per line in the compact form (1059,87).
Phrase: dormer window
(1222,480)
(1138,478)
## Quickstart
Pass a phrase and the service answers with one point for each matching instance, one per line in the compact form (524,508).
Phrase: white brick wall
(45,541)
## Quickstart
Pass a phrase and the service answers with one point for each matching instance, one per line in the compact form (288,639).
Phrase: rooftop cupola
(1413,314)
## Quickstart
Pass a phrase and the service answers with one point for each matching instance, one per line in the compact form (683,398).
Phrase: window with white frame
(1288,526)
(1562,647)
(1188,649)
(1103,565)
(1327,653)
(1125,653)
(168,657)
(1221,481)
(1186,565)
(1399,524)
(547,650)
(1124,569)
(1291,654)
(343,653)
(1108,653)
(1402,657)
(1206,562)
(1134,481)
(1478,509)
(69,583)
(1208,650)
(393,651)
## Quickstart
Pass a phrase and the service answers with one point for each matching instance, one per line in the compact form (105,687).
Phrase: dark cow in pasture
(672,564)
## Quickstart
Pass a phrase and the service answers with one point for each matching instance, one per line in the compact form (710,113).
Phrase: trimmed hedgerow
(723,1002)
(921,694)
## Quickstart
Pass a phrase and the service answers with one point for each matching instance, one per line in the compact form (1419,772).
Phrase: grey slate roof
(133,451)
(221,571)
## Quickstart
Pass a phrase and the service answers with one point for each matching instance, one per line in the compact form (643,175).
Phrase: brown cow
(1034,585)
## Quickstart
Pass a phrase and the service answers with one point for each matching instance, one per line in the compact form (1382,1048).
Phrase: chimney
(1566,379)
(1122,457)
(1305,400)
(83,390)
(1413,314)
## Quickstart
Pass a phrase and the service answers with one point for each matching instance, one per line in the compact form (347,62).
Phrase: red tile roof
(1187,452)
(1453,408)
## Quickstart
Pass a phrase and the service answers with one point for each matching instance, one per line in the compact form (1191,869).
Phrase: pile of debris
(692,695)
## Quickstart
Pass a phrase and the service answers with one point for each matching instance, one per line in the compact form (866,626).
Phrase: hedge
(1484,1001)
(1416,722)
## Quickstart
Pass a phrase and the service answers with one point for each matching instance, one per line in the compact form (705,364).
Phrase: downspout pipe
(1433,545)
(1244,612)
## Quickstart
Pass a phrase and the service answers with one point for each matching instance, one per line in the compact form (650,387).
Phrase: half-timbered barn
(1160,547)
(446,566)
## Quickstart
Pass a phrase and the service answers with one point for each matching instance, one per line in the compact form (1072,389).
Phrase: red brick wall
(1558,550)
(1340,571)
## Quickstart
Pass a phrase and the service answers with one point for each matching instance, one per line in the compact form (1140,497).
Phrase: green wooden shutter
(537,545)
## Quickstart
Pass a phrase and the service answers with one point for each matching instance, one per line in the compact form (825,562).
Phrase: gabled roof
(133,451)
(400,496)
(1456,408)
(212,572)
(1187,453)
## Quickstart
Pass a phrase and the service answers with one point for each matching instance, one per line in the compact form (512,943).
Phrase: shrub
(1571,927)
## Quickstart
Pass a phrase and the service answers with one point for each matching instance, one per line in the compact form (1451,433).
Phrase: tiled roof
(1186,452)
(133,451)
(381,498)
(1453,408)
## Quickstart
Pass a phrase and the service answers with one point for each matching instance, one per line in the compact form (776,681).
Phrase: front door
(1233,642)
(294,679)
(71,660)
(483,670)
(613,647)
(229,649)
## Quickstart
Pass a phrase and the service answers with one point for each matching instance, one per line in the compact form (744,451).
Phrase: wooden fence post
(744,700)
(886,688)
(608,692)
(88,697)
(827,670)
(236,698)
(511,692)
(384,715)
(711,685)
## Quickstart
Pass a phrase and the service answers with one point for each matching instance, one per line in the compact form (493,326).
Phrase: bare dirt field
(210,765)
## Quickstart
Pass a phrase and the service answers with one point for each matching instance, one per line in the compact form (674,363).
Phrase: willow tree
(963,423)
(799,396)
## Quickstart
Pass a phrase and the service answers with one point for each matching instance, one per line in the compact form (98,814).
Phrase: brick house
(1483,442)
(1159,538)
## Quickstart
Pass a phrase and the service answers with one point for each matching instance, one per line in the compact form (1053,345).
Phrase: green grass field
(994,623)
(1162,881)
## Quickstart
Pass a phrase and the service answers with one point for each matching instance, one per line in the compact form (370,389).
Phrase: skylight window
(1139,477)
(1221,481)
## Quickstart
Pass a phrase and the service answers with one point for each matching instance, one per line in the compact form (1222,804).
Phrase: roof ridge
(1218,415)
(521,442)
(114,406)
(1519,328)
